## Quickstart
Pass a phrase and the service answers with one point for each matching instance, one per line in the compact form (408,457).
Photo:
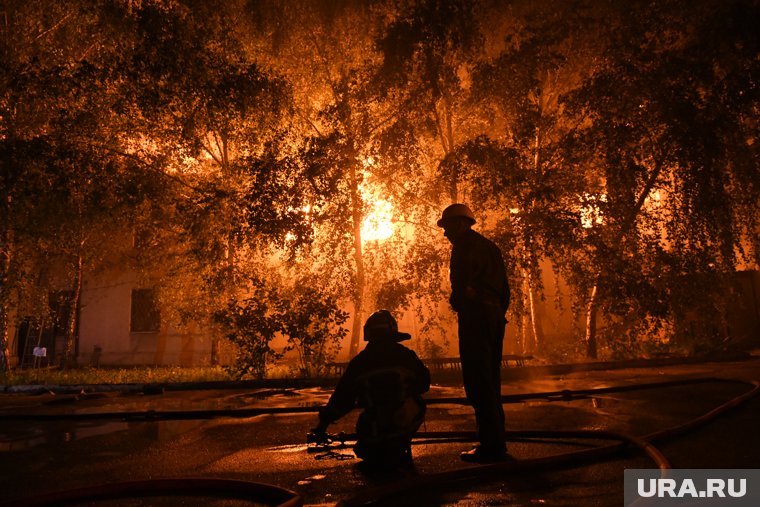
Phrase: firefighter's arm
(342,400)
(327,415)
(318,434)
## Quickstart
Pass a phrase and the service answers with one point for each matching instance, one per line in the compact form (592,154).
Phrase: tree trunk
(446,134)
(69,355)
(591,311)
(535,323)
(358,298)
(4,350)
(593,304)
(6,235)
(524,347)
(454,190)
(222,147)
(538,332)
(214,351)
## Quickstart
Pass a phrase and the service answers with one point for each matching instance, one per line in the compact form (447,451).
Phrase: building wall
(105,325)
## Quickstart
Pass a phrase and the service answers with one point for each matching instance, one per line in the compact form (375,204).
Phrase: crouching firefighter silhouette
(386,380)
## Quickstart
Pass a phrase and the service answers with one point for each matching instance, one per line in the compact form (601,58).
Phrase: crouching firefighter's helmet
(382,325)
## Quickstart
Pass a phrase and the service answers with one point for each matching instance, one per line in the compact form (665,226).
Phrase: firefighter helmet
(381,324)
(456,211)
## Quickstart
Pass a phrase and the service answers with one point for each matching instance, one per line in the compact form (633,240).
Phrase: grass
(110,375)
(83,375)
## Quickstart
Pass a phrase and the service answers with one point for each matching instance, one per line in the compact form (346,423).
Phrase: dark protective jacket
(379,358)
(477,262)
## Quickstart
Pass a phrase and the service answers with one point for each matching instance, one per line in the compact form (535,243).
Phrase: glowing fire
(378,221)
(378,224)
(591,213)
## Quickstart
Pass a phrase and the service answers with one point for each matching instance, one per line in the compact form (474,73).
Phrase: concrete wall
(105,324)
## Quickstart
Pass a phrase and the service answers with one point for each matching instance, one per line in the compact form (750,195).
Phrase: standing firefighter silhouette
(386,380)
(480,297)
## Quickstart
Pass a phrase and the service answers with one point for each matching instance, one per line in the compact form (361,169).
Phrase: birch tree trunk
(535,323)
(591,311)
(4,349)
(6,235)
(358,298)
(69,354)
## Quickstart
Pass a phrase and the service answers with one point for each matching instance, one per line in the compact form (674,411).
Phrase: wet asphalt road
(46,456)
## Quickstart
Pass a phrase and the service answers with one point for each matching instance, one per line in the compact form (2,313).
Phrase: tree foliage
(664,139)
(302,312)
(618,142)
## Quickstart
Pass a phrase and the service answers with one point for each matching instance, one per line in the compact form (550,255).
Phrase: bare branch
(54,27)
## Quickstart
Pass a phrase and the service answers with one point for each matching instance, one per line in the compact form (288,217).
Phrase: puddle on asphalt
(592,402)
(30,437)
(311,479)
(288,448)
(266,394)
(159,403)
(21,445)
(35,434)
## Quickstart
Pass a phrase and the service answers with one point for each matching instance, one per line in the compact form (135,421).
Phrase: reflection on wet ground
(34,434)
(622,410)
(271,448)
(61,433)
(268,393)
(40,435)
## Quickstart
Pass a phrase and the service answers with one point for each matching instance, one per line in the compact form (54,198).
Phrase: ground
(232,442)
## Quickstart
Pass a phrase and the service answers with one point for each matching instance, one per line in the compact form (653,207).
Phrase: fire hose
(275,495)
(183,486)
(485,472)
